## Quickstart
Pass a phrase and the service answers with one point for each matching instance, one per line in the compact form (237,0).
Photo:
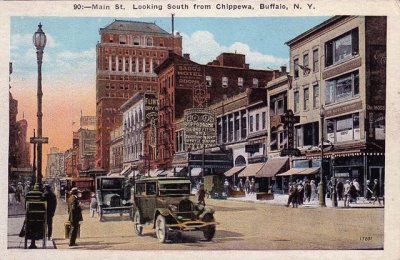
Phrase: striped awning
(234,170)
(292,171)
(251,170)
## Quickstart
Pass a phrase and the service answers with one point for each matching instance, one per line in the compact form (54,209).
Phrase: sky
(69,62)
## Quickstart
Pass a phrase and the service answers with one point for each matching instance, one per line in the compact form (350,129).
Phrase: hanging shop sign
(199,127)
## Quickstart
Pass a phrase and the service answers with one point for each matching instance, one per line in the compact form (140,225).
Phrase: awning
(251,170)
(195,172)
(312,170)
(155,172)
(169,172)
(272,167)
(234,170)
(292,171)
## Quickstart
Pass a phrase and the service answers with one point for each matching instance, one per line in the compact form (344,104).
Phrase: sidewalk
(16,217)
(281,200)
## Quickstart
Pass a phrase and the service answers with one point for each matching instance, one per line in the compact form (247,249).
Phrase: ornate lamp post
(321,187)
(39,40)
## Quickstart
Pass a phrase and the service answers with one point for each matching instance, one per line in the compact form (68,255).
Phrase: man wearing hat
(75,215)
(51,200)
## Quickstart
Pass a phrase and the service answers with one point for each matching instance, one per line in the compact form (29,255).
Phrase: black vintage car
(113,195)
(166,204)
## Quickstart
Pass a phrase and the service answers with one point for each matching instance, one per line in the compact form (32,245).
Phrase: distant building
(55,163)
(116,151)
(127,54)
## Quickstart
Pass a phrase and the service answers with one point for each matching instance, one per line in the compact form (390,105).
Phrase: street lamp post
(39,40)
(322,182)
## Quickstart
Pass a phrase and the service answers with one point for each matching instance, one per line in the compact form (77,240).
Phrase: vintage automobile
(113,195)
(165,203)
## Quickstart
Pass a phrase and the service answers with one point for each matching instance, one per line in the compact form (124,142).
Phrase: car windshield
(112,184)
(174,188)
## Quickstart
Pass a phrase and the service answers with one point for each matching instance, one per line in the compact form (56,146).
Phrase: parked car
(166,204)
(113,195)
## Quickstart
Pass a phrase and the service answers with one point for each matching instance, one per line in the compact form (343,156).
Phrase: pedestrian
(19,192)
(376,192)
(201,193)
(339,190)
(11,194)
(368,194)
(346,193)
(357,187)
(290,192)
(300,193)
(247,185)
(51,200)
(252,186)
(241,185)
(75,215)
(313,190)
(93,204)
(307,191)
(226,187)
(353,193)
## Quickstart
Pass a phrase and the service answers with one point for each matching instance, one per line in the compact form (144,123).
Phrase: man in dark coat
(51,200)
(376,192)
(75,215)
(339,190)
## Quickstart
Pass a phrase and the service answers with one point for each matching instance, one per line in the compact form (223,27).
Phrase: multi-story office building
(55,163)
(127,54)
(339,83)
(116,151)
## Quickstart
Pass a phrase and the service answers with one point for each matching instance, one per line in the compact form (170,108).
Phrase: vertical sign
(199,127)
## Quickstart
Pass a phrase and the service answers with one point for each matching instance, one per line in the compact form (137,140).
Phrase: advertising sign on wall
(189,75)
(199,127)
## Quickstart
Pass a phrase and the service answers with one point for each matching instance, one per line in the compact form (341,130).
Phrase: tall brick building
(127,54)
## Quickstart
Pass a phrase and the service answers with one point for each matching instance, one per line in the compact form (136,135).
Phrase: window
(149,41)
(341,48)
(315,61)
(315,96)
(243,124)
(264,120)
(237,129)
(257,122)
(240,82)
(306,98)
(251,124)
(255,83)
(296,68)
(230,128)
(122,39)
(224,82)
(278,104)
(151,188)
(306,70)
(342,88)
(296,102)
(208,81)
(345,128)
(136,40)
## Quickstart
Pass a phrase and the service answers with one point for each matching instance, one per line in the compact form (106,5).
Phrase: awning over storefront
(292,171)
(251,170)
(309,171)
(234,170)
(272,167)
(155,172)
(126,170)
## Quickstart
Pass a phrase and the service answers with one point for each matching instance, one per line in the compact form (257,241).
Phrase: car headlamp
(173,207)
(108,203)
(123,202)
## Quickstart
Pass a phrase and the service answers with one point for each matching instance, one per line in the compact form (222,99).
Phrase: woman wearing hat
(75,215)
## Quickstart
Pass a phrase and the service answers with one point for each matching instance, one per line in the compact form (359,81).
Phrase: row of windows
(306,98)
(132,40)
(129,78)
(225,82)
(133,52)
(337,51)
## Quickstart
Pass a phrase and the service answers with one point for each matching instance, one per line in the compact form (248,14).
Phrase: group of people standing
(249,186)
(301,191)
(16,192)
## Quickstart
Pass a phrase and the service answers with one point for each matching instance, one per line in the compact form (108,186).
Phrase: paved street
(243,225)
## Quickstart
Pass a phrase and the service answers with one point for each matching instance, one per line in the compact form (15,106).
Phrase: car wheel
(161,229)
(137,225)
(209,231)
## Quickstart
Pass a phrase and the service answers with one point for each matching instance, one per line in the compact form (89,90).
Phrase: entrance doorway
(377,172)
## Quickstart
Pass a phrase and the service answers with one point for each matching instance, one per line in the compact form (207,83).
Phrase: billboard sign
(199,127)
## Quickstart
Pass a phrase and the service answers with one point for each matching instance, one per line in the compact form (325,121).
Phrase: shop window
(342,88)
(296,102)
(343,129)
(315,60)
(342,48)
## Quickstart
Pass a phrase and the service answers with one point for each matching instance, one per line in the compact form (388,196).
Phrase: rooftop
(134,26)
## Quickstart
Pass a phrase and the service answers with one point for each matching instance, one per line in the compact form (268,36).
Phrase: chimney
(186,56)
(283,69)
